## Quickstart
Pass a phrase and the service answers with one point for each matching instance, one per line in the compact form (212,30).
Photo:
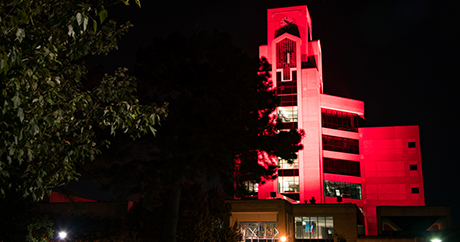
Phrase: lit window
(314,228)
(251,187)
(342,189)
(263,231)
(287,114)
(288,184)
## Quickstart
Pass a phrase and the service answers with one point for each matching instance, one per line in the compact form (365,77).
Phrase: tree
(220,112)
(21,218)
(205,216)
(47,119)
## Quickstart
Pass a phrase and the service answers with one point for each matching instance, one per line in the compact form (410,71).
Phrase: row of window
(306,227)
(339,120)
(341,167)
(314,228)
(333,166)
(342,189)
(330,118)
(333,143)
(258,231)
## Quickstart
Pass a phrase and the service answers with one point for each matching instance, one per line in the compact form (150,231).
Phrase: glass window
(286,57)
(413,167)
(251,187)
(314,228)
(341,167)
(342,189)
(339,144)
(268,230)
(411,144)
(287,114)
(415,190)
(339,120)
(249,230)
(288,184)
(259,231)
(283,164)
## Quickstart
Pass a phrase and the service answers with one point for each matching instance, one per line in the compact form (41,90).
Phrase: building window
(339,144)
(251,187)
(314,228)
(413,167)
(341,167)
(339,120)
(283,164)
(287,114)
(411,144)
(415,190)
(288,172)
(286,57)
(255,231)
(342,189)
(288,184)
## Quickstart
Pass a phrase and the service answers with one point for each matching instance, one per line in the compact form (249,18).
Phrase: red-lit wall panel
(386,156)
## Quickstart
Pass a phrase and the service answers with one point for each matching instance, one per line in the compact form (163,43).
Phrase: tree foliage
(203,216)
(221,111)
(47,118)
(21,220)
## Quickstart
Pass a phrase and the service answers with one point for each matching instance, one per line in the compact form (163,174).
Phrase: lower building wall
(346,217)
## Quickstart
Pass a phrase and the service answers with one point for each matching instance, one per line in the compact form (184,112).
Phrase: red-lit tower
(365,166)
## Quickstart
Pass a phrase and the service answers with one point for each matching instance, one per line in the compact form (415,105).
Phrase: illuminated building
(340,161)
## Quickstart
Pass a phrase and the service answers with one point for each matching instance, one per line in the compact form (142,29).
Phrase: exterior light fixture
(436,240)
(283,239)
(62,235)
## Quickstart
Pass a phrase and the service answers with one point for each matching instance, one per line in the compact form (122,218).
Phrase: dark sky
(400,57)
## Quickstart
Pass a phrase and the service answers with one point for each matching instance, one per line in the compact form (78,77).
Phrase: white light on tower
(62,235)
(436,240)
(283,238)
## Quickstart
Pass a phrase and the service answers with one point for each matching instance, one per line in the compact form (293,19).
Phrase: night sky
(400,57)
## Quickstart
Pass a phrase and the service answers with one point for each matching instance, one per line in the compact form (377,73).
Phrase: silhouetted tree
(20,219)
(221,104)
(203,216)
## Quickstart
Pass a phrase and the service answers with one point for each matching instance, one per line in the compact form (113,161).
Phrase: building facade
(272,219)
(341,162)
